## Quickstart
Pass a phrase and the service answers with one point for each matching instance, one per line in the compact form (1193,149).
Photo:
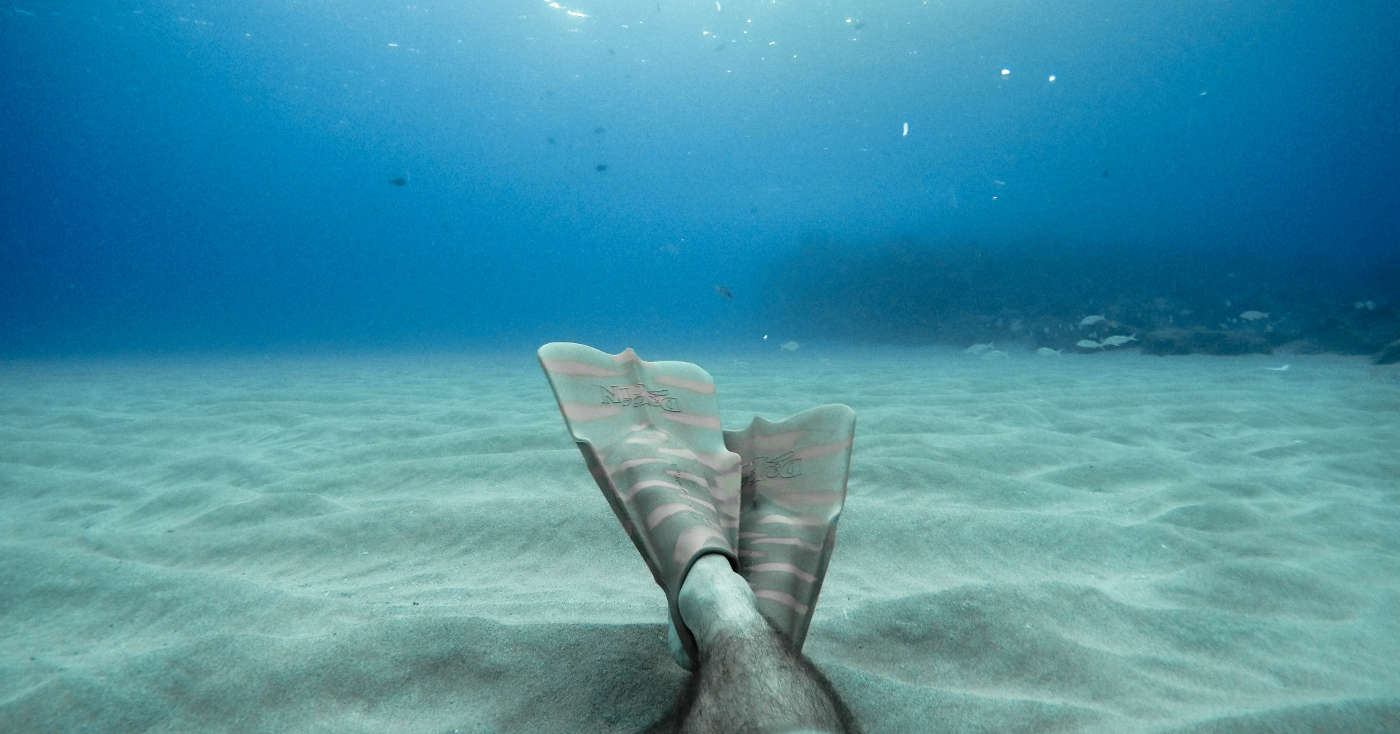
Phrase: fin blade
(794,488)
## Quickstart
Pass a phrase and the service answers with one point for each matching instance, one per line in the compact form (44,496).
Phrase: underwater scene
(1052,346)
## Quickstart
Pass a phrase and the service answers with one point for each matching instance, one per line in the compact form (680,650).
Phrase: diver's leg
(750,679)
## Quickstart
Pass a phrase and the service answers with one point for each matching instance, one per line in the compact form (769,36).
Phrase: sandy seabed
(407,543)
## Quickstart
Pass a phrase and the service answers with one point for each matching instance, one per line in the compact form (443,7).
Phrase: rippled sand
(1101,543)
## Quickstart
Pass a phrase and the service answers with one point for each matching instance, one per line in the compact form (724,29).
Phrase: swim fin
(793,490)
(650,435)
(767,497)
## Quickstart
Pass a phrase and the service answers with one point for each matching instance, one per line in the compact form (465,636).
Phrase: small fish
(399,180)
(1279,369)
(599,130)
(724,292)
(601,167)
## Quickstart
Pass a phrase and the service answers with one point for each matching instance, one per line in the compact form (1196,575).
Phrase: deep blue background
(209,175)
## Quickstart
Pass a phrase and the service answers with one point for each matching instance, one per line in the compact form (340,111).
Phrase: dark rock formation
(1205,341)
(1390,354)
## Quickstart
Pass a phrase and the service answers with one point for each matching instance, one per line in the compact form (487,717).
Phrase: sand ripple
(1102,543)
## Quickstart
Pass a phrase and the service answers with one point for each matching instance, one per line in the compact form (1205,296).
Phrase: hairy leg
(750,679)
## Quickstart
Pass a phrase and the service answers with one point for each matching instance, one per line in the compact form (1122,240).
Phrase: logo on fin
(783,466)
(640,396)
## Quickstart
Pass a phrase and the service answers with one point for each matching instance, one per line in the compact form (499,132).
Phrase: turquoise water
(275,454)
(212,177)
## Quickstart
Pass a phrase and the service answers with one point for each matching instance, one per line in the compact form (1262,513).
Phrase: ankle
(715,601)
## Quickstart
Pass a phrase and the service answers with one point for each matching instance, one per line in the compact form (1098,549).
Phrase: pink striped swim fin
(767,497)
(650,435)
(793,490)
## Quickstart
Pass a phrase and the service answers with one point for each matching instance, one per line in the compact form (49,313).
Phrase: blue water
(214,176)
